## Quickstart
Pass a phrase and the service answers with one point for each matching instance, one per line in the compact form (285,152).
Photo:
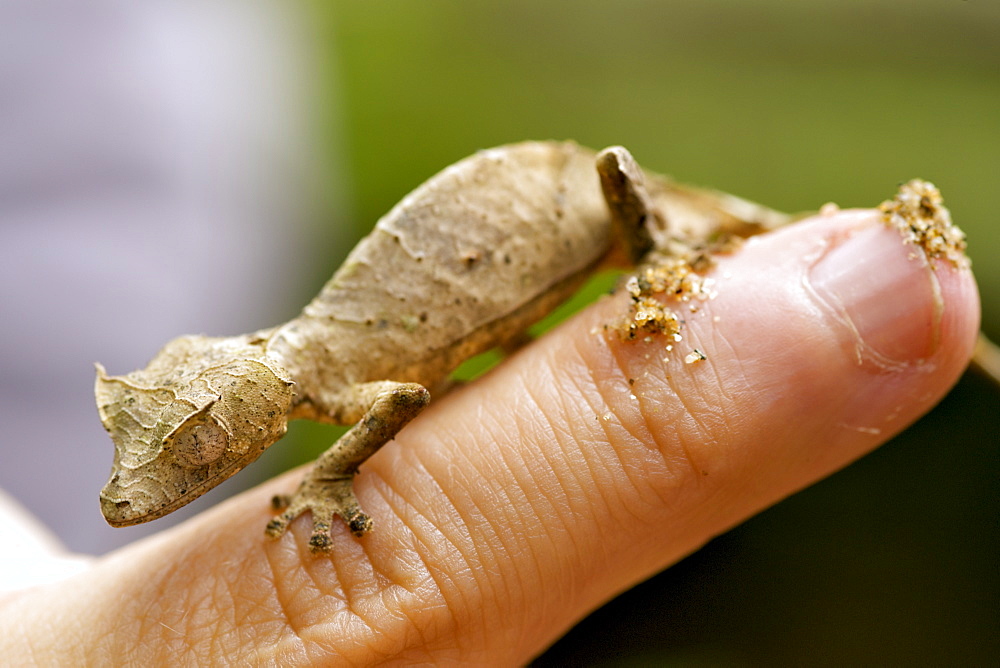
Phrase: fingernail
(884,290)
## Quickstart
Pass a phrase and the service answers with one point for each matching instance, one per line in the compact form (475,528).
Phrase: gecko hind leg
(327,489)
(632,210)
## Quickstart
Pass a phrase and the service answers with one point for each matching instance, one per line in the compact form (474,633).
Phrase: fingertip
(824,340)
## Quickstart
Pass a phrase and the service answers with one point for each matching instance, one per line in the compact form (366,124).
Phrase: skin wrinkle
(346,601)
(618,355)
(107,650)
(224,639)
(176,577)
(727,352)
(365,577)
(261,609)
(435,636)
(625,464)
(379,620)
(660,478)
(641,432)
(215,647)
(443,528)
(602,407)
(484,561)
(252,648)
(491,532)
(736,369)
(521,581)
(690,433)
(567,441)
(338,628)
(498,486)
(613,465)
(361,649)
(633,460)
(540,428)
(440,580)
(105,635)
(195,612)
(498,588)
(598,410)
(353,615)
(546,484)
(95,657)
(710,416)
(396,613)
(733,397)
(722,387)
(617,396)
(348,611)
(623,358)
(141,620)
(601,462)
(394,616)
(282,649)
(249,609)
(278,576)
(205,617)
(396,502)
(167,604)
(623,504)
(544,508)
(697,410)
(718,486)
(543,425)
(587,595)
(562,496)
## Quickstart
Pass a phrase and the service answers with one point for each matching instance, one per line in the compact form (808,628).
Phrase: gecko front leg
(327,489)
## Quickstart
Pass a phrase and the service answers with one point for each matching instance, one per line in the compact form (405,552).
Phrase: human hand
(516,505)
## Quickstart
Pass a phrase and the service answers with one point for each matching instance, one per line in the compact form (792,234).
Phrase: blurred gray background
(202,167)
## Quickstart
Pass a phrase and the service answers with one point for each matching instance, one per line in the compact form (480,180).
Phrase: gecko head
(197,414)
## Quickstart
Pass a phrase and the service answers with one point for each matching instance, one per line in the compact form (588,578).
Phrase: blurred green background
(890,562)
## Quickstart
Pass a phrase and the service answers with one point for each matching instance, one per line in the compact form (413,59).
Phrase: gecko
(463,264)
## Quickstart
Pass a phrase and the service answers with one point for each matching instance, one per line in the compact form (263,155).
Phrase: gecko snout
(117,513)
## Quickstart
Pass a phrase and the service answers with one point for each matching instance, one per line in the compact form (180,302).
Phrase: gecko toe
(320,541)
(359,523)
(320,544)
(276,527)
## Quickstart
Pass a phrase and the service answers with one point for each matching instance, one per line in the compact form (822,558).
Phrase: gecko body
(463,264)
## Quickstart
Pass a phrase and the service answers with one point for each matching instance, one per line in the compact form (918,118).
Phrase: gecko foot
(324,499)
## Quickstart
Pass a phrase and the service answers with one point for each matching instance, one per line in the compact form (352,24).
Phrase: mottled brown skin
(463,264)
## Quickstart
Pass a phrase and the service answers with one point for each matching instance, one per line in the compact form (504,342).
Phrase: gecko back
(463,263)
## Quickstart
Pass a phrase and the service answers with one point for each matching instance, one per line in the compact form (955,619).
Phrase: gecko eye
(200,444)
